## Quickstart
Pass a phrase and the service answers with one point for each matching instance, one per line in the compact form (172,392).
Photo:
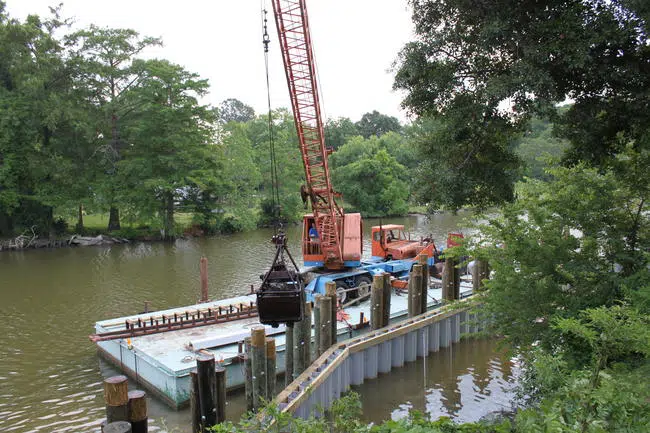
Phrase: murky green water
(50,375)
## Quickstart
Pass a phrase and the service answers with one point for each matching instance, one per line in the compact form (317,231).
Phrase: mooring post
(195,406)
(146,306)
(456,281)
(449,274)
(325,327)
(288,354)
(423,259)
(377,302)
(220,379)
(306,334)
(415,291)
(248,374)
(480,273)
(330,290)
(258,364)
(205,368)
(317,325)
(298,365)
(387,295)
(137,409)
(116,395)
(271,375)
(204,279)
(118,427)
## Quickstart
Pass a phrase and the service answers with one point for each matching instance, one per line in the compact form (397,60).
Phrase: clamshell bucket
(281,296)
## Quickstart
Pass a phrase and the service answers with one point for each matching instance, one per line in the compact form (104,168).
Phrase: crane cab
(350,237)
(392,242)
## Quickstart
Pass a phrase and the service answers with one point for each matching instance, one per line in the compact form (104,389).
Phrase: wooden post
(480,273)
(387,295)
(271,375)
(248,373)
(456,285)
(195,406)
(118,427)
(146,306)
(377,302)
(306,333)
(448,280)
(204,279)
(288,354)
(138,416)
(330,290)
(415,291)
(220,378)
(423,259)
(258,364)
(116,395)
(325,327)
(205,368)
(298,361)
(317,325)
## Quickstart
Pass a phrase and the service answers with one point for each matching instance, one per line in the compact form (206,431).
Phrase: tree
(171,147)
(537,146)
(338,131)
(234,110)
(495,64)
(107,59)
(377,124)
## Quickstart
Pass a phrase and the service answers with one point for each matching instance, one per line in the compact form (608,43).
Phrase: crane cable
(275,193)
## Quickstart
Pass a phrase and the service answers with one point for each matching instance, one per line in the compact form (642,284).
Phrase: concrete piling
(116,396)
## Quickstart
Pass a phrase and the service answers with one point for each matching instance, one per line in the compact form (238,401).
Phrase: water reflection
(50,376)
(464,382)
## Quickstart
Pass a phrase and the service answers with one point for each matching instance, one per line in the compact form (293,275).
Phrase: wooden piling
(317,325)
(271,374)
(195,406)
(137,409)
(415,291)
(205,370)
(330,290)
(220,379)
(118,427)
(288,354)
(325,330)
(387,296)
(204,279)
(116,396)
(306,332)
(423,259)
(248,373)
(377,302)
(258,365)
(450,281)
(480,273)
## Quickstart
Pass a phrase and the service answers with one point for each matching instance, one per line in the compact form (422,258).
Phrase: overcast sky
(355,44)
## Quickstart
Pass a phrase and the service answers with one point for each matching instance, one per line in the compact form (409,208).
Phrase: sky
(355,44)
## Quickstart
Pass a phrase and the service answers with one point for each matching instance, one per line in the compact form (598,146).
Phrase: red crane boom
(295,43)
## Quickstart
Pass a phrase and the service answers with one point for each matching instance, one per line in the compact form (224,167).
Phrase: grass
(97,223)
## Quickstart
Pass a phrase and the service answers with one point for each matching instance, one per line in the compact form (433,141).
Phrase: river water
(51,376)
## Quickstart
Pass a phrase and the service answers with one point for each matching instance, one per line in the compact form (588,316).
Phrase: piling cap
(270,347)
(258,336)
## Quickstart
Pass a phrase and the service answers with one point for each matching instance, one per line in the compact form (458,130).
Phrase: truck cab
(391,242)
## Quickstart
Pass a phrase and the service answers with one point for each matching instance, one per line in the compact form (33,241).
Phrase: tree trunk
(114,219)
(79,228)
(168,223)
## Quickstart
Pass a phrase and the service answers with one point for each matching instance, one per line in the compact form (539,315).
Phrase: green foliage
(234,110)
(538,148)
(339,131)
(377,124)
(370,178)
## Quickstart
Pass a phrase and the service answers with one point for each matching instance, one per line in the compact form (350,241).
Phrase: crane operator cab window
(313,238)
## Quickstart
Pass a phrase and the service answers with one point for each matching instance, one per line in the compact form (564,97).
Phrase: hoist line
(275,193)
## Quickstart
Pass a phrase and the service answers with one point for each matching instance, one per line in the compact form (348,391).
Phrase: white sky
(355,43)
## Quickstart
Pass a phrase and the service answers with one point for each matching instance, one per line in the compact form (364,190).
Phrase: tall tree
(106,56)
(496,63)
(234,110)
(339,131)
(377,124)
(171,144)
